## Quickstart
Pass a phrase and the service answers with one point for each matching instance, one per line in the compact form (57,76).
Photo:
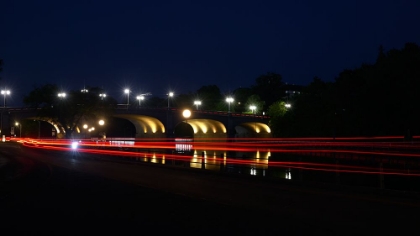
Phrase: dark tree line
(371,100)
(267,89)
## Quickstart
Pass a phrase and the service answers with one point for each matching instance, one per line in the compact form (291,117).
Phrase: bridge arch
(59,129)
(200,129)
(160,122)
(253,130)
(146,126)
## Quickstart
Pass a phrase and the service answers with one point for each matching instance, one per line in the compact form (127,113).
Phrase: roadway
(53,193)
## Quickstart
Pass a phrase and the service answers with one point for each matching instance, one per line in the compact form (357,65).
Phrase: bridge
(153,123)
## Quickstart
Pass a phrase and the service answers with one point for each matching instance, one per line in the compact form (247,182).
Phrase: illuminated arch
(207,128)
(146,126)
(253,130)
(59,129)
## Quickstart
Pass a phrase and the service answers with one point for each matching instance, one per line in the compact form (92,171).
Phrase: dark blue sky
(157,46)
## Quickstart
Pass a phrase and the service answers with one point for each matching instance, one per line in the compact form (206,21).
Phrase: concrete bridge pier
(230,127)
(5,126)
(169,124)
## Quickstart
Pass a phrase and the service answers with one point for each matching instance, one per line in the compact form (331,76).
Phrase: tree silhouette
(254,100)
(210,96)
(70,111)
(241,96)
(269,88)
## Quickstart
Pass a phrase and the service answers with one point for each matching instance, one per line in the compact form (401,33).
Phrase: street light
(102,96)
(229,100)
(85,126)
(101,133)
(140,98)
(84,90)
(288,105)
(127,91)
(61,95)
(4,93)
(197,103)
(170,94)
(253,108)
(186,113)
(20,129)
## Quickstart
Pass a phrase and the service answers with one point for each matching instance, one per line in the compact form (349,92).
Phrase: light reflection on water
(254,163)
(257,164)
(288,174)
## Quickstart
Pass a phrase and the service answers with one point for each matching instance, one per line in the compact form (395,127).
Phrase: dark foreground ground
(47,194)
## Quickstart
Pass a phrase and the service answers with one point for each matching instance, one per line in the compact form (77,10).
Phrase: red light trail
(374,148)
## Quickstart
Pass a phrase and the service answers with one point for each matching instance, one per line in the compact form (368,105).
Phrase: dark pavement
(51,193)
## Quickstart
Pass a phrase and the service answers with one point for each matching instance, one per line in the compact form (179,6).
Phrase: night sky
(157,46)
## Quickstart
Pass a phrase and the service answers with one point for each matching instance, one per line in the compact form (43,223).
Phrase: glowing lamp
(186,113)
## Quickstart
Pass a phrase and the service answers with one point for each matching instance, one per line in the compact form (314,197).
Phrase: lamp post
(127,91)
(101,132)
(169,121)
(140,98)
(20,128)
(85,126)
(4,93)
(61,95)
(170,94)
(197,103)
(102,96)
(186,114)
(253,108)
(229,100)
